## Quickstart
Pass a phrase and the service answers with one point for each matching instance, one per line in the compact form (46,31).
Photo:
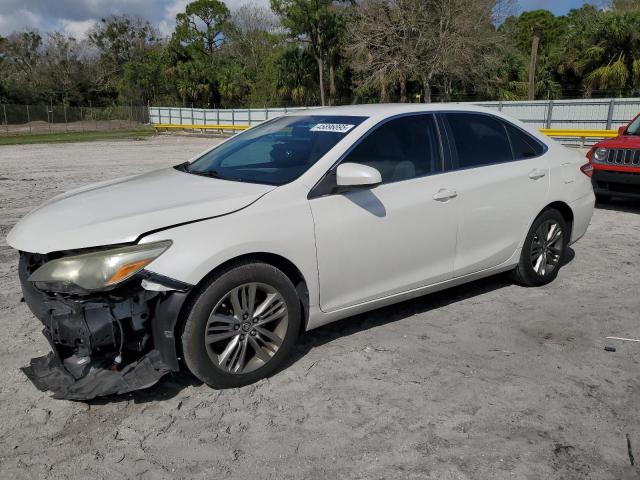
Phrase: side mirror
(621,130)
(356,174)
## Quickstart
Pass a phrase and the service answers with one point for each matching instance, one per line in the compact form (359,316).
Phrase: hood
(622,141)
(119,211)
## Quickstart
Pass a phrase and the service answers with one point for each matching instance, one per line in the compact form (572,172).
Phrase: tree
(202,27)
(384,44)
(603,49)
(444,41)
(195,51)
(295,83)
(120,40)
(625,5)
(254,43)
(314,22)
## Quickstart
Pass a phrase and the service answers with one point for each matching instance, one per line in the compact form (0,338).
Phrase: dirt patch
(485,381)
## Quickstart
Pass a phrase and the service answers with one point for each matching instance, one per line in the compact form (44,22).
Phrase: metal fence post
(81,119)
(266,113)
(249,116)
(170,119)
(6,123)
(217,116)
(612,106)
(500,106)
(233,117)
(64,109)
(549,113)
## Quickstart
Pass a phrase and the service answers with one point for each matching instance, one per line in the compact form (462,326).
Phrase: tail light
(587,169)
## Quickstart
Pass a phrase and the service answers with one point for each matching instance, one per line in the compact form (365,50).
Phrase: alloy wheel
(546,247)
(246,328)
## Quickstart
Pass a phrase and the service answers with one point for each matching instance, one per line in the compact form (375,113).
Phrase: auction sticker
(332,127)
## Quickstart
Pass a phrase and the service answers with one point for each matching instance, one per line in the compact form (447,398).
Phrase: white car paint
(356,250)
(120,211)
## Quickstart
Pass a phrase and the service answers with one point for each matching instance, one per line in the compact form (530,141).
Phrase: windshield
(634,128)
(276,152)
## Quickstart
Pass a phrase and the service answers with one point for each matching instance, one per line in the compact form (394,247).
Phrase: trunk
(447,89)
(384,96)
(403,90)
(321,78)
(532,65)
(427,93)
(332,84)
(426,86)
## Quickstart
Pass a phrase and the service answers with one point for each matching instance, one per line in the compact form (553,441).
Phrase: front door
(372,243)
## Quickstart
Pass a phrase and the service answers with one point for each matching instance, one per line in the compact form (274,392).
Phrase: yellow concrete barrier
(167,126)
(551,132)
(554,132)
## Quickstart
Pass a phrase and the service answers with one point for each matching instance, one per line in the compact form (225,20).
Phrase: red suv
(616,164)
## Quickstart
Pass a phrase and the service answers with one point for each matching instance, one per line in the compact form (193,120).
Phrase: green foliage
(308,52)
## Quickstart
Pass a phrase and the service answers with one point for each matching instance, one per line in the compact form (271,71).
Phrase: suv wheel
(543,251)
(241,325)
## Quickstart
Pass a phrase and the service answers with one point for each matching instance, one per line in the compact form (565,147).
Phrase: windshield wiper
(207,173)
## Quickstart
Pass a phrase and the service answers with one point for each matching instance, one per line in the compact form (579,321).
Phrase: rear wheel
(241,326)
(543,251)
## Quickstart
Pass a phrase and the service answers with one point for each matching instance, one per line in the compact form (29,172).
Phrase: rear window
(524,146)
(277,151)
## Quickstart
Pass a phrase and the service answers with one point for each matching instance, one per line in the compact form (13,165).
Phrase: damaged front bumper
(107,342)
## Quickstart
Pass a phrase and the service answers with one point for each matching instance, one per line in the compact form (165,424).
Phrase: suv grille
(623,156)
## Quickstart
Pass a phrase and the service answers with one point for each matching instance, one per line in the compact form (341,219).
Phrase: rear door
(502,181)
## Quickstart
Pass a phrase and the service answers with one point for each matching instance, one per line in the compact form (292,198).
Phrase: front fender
(280,227)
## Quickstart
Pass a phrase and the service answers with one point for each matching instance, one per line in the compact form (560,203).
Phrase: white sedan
(217,264)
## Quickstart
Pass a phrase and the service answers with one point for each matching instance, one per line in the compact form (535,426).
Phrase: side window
(403,148)
(524,146)
(478,139)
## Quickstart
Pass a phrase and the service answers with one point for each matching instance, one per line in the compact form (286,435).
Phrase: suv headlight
(101,270)
(600,154)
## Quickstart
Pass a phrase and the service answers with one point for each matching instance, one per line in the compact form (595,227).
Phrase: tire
(533,269)
(239,344)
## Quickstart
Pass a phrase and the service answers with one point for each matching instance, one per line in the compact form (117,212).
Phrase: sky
(76,16)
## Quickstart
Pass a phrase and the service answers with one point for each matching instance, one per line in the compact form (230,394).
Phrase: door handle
(536,173)
(444,194)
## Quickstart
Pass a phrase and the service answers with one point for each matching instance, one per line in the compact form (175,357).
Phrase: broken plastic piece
(47,373)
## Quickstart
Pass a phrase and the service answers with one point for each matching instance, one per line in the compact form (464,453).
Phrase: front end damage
(104,343)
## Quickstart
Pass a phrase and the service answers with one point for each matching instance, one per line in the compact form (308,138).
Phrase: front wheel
(241,325)
(543,251)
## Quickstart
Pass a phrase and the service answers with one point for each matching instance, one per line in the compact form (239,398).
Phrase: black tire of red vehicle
(525,273)
(195,351)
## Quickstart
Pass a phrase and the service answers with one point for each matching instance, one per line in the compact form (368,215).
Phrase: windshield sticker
(332,127)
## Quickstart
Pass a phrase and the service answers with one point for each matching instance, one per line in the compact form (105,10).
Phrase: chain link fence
(45,119)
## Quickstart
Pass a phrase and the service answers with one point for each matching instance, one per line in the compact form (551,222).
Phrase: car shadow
(172,384)
(398,311)
(620,205)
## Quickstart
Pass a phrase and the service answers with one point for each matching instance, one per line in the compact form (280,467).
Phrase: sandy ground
(485,381)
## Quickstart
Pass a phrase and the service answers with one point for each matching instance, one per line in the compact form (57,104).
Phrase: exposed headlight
(600,154)
(99,270)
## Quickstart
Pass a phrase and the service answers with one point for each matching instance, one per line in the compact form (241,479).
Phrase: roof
(389,109)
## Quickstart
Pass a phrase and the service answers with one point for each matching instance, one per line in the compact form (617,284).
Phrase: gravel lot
(485,381)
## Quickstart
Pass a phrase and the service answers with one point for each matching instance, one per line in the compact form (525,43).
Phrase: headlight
(100,270)
(600,155)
